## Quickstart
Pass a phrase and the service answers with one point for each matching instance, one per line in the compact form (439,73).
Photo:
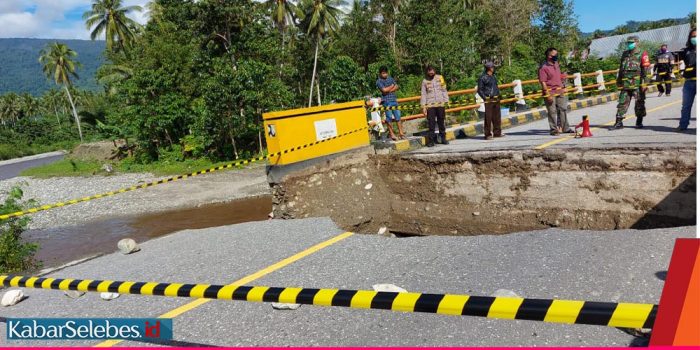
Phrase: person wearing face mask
(663,69)
(631,82)
(433,97)
(487,89)
(690,86)
(552,81)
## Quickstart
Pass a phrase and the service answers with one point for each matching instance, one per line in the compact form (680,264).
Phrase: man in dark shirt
(388,87)
(488,90)
(663,68)
(690,86)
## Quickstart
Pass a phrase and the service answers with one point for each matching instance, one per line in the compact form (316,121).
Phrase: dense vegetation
(21,70)
(194,81)
(16,255)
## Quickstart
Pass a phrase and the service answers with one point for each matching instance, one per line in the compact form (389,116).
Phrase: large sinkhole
(496,192)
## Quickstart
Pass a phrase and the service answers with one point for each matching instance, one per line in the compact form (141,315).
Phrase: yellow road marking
(245,280)
(566,138)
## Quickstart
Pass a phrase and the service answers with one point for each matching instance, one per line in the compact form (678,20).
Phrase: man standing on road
(487,89)
(663,70)
(552,82)
(690,87)
(631,82)
(388,87)
(433,98)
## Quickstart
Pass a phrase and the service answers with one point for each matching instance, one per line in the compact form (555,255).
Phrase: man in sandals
(388,87)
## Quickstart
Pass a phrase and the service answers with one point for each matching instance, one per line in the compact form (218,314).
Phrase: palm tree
(50,103)
(282,13)
(154,10)
(109,17)
(321,18)
(110,74)
(58,63)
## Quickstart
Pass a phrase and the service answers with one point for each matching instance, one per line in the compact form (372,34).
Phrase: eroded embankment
(494,192)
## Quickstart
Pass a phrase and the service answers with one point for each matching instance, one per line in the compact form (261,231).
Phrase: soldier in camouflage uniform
(631,82)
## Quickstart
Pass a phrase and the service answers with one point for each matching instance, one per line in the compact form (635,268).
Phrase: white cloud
(18,24)
(49,18)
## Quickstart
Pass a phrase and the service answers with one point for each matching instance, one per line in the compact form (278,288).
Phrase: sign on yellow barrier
(288,129)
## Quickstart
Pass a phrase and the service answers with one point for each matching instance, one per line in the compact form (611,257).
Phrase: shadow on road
(661,275)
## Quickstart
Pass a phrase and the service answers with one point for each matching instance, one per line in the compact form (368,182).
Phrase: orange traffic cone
(585,124)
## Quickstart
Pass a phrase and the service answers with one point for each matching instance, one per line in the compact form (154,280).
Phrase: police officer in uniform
(631,82)
(663,68)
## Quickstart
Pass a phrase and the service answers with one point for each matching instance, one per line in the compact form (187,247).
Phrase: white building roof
(675,37)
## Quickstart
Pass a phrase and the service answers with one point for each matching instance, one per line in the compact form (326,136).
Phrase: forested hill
(20,70)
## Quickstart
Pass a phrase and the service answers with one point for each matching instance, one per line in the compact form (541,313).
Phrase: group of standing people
(631,82)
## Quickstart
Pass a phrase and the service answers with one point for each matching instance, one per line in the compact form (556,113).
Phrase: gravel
(204,189)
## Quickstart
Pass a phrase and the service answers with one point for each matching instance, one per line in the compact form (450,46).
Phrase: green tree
(509,21)
(556,26)
(391,12)
(52,102)
(58,64)
(435,34)
(109,18)
(360,36)
(154,10)
(10,109)
(321,20)
(693,19)
(15,254)
(345,80)
(283,14)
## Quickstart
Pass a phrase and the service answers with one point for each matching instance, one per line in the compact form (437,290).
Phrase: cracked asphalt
(623,265)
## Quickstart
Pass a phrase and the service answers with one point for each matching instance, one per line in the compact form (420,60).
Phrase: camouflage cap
(633,38)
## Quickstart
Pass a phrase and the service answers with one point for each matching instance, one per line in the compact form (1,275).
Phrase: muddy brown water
(65,244)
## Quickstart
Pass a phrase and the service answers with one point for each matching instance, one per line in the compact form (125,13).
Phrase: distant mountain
(20,70)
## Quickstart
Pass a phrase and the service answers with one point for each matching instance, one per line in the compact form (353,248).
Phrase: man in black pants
(433,98)
(488,90)
(663,68)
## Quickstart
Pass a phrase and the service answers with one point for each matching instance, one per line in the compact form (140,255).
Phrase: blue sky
(607,14)
(62,19)
(52,19)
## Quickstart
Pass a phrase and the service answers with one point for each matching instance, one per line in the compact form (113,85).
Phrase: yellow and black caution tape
(472,99)
(468,101)
(689,69)
(171,179)
(626,315)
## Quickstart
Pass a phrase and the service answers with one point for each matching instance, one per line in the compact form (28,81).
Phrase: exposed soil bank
(493,192)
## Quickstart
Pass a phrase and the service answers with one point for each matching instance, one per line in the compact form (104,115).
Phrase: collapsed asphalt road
(625,265)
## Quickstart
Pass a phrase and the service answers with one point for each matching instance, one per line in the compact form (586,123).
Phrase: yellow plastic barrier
(287,129)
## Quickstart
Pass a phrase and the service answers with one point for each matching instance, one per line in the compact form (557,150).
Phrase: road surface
(11,168)
(663,114)
(625,265)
